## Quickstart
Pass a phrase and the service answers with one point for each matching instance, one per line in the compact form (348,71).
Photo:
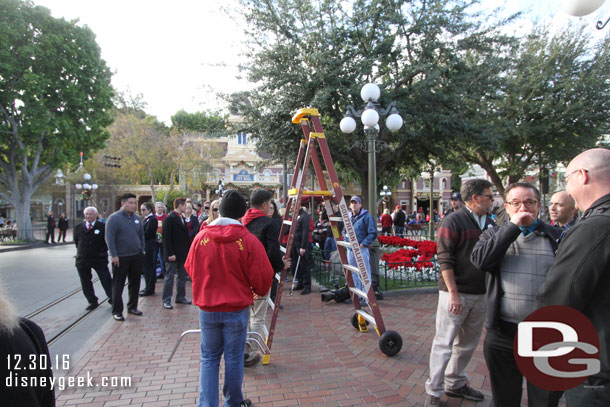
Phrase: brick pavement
(318,358)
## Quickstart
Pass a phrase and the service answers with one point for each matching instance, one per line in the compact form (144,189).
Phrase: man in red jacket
(227,264)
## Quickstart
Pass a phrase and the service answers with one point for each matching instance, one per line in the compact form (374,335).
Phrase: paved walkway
(318,358)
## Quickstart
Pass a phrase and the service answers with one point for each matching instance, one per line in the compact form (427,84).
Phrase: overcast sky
(179,54)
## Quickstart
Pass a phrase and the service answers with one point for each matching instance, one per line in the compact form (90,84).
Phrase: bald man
(563,210)
(580,277)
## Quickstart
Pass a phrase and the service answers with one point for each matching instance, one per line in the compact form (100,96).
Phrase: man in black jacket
(150,248)
(50,228)
(517,256)
(300,246)
(260,224)
(92,252)
(580,277)
(175,249)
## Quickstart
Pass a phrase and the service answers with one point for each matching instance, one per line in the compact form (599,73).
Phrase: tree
(319,54)
(554,103)
(55,100)
(200,122)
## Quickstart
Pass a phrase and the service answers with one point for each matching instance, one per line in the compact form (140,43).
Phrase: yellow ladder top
(304,112)
(295,191)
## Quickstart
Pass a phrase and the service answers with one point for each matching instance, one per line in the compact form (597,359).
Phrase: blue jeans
(222,332)
(352,261)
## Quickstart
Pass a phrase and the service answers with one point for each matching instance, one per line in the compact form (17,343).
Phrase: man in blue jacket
(366,231)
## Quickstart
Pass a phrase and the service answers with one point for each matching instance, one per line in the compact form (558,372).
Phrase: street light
(369,116)
(580,8)
(86,188)
(385,194)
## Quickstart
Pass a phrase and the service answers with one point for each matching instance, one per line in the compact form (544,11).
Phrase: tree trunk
(491,171)
(21,204)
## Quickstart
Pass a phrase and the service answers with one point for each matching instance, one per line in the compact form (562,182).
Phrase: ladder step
(367,316)
(351,268)
(283,249)
(271,304)
(359,293)
(335,218)
(344,244)
(288,222)
(295,191)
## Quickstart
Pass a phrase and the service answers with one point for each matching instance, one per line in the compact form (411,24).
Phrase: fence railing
(392,276)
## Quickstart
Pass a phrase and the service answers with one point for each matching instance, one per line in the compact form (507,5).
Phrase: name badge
(96,232)
(136,221)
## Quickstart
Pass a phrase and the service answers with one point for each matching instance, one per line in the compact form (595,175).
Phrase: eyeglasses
(490,196)
(529,204)
(207,207)
(215,209)
(574,172)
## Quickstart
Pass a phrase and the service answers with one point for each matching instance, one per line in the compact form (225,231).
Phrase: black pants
(84,272)
(303,274)
(51,234)
(130,267)
(506,379)
(149,268)
(62,235)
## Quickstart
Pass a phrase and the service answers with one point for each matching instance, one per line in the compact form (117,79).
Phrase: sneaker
(465,392)
(245,403)
(118,317)
(432,401)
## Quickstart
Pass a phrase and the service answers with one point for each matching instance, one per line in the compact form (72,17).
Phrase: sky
(180,54)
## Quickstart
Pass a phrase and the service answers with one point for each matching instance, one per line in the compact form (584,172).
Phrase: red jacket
(227,263)
(386,221)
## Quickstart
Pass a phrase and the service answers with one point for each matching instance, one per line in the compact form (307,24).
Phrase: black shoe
(465,392)
(251,358)
(118,317)
(91,307)
(134,311)
(145,293)
(245,403)
(167,305)
(184,301)
(306,290)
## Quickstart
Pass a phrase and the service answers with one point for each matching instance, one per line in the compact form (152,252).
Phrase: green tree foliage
(55,100)
(553,103)
(200,122)
(319,54)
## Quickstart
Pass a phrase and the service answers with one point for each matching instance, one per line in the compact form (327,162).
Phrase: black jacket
(175,237)
(150,233)
(399,219)
(488,254)
(194,227)
(301,233)
(580,277)
(90,244)
(264,228)
(50,222)
(62,224)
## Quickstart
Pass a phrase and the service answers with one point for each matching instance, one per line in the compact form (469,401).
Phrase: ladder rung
(344,244)
(359,293)
(335,218)
(283,249)
(288,222)
(367,316)
(351,268)
(271,304)
(295,191)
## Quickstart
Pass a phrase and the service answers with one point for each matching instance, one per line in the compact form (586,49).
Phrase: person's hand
(255,296)
(455,304)
(287,263)
(303,251)
(361,246)
(115,261)
(171,258)
(523,218)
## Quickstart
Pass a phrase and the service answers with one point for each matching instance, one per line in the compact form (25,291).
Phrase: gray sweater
(124,234)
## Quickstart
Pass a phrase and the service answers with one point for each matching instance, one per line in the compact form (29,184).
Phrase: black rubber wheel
(390,343)
(355,321)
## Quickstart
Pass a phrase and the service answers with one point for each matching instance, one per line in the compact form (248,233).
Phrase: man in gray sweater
(125,240)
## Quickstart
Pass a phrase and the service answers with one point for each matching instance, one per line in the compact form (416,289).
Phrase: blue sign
(243,176)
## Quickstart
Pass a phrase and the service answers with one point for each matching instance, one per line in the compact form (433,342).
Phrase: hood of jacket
(225,230)
(252,214)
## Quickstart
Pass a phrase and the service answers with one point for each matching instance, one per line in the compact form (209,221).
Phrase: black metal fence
(392,276)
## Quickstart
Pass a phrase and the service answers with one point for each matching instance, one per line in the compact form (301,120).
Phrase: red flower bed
(417,254)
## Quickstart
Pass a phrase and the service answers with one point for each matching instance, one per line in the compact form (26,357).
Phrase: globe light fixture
(370,117)
(370,92)
(580,8)
(393,122)
(347,124)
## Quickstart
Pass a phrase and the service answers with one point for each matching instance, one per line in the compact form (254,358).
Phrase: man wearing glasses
(461,308)
(580,277)
(517,256)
